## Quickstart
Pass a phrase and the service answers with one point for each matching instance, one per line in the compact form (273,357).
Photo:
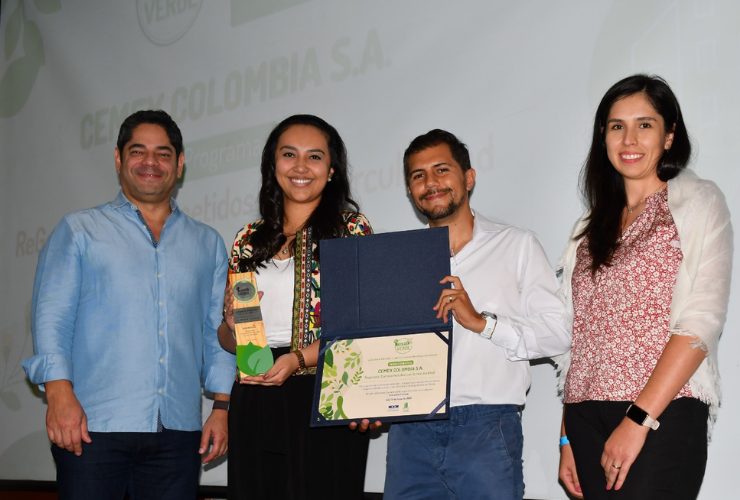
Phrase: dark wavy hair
(434,138)
(153,117)
(602,187)
(327,219)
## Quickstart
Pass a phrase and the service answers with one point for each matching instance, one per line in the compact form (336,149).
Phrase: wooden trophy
(253,355)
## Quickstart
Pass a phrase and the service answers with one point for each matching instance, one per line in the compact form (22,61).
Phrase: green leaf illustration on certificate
(342,370)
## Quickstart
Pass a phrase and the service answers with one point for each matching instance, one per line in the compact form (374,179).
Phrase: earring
(329,180)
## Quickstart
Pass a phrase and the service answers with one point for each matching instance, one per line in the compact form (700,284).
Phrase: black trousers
(275,455)
(671,464)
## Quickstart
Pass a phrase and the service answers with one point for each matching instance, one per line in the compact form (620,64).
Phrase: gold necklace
(630,208)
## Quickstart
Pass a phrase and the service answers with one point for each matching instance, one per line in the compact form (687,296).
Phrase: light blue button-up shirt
(131,323)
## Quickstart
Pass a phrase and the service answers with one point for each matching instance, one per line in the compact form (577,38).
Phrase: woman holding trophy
(305,197)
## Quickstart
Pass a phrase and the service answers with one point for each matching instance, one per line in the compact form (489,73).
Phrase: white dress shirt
(505,271)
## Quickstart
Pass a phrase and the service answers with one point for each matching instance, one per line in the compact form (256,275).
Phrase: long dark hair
(327,220)
(602,187)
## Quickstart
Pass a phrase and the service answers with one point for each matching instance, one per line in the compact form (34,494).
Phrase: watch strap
(491,322)
(221,405)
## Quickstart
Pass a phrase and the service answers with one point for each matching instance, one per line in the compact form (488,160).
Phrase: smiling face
(147,166)
(636,137)
(302,164)
(437,183)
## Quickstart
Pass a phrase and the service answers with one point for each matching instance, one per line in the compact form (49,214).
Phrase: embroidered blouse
(621,315)
(307,293)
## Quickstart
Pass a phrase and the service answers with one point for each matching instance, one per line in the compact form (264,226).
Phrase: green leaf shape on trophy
(329,357)
(243,352)
(13,30)
(260,361)
(47,6)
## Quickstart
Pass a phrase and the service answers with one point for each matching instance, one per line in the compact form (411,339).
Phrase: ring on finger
(616,467)
(449,298)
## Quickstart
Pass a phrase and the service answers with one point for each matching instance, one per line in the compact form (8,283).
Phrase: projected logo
(166,21)
(24,48)
(243,12)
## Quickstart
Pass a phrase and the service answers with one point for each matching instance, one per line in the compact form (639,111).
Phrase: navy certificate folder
(383,282)
(380,286)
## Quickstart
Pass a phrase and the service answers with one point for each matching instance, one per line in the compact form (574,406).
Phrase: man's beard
(438,213)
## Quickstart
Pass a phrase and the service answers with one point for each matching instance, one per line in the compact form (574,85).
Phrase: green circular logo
(244,291)
(402,345)
(164,23)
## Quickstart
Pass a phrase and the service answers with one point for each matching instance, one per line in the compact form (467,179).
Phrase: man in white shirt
(506,312)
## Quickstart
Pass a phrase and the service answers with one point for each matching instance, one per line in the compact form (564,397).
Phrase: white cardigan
(702,289)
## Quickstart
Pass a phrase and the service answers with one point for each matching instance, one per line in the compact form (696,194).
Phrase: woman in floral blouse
(305,197)
(647,274)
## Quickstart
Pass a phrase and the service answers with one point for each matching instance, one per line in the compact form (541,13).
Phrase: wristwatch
(491,322)
(640,416)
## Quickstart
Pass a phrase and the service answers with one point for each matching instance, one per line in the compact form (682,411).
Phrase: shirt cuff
(44,368)
(219,379)
(505,335)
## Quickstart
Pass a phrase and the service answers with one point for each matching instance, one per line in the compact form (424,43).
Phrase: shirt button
(160,303)
(159,391)
(161,360)
(159,275)
(161,332)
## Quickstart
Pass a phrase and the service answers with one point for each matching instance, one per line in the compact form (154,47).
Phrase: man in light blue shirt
(127,299)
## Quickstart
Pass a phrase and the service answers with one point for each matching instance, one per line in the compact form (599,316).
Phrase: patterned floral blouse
(620,326)
(307,295)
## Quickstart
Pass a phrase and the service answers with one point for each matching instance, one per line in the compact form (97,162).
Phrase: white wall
(517,80)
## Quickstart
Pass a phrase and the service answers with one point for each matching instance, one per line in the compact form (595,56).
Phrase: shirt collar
(121,201)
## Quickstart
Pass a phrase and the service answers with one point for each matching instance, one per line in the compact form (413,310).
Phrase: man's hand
(216,428)
(456,299)
(365,425)
(66,422)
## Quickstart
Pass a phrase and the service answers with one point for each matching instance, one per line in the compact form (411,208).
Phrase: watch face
(637,414)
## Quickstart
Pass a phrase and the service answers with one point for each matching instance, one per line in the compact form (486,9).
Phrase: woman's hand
(568,474)
(283,368)
(621,450)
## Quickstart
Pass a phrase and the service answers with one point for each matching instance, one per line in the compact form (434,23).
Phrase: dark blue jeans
(476,454)
(148,465)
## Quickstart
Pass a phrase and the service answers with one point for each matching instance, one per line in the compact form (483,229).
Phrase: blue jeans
(476,454)
(149,465)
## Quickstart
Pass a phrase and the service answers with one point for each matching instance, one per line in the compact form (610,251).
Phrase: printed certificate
(387,378)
